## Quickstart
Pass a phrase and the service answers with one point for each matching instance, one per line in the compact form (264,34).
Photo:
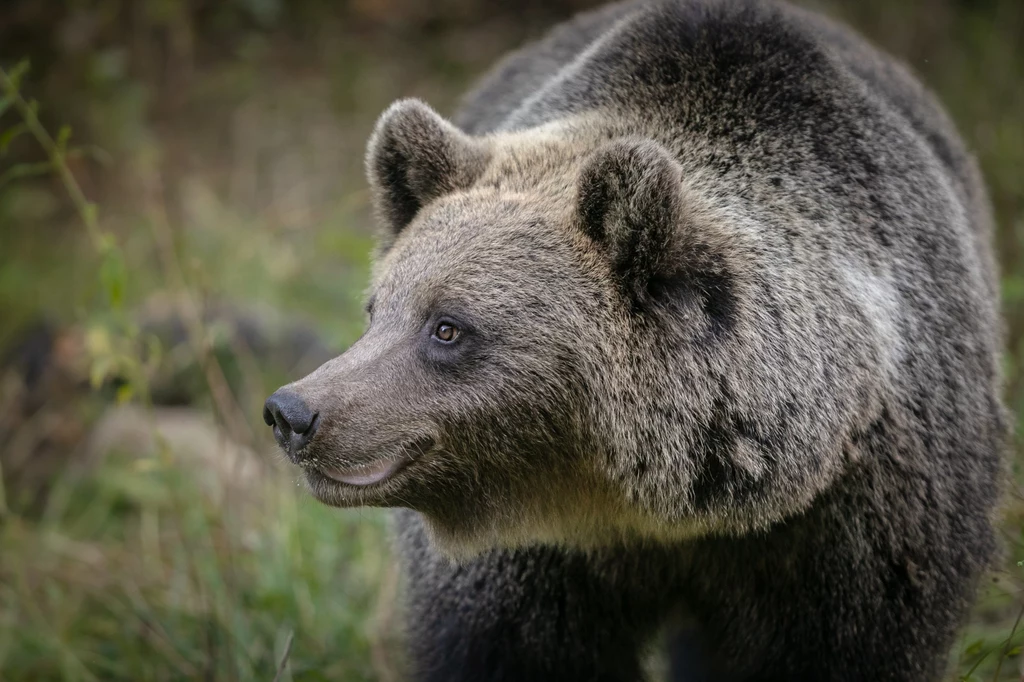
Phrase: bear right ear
(415,156)
(630,201)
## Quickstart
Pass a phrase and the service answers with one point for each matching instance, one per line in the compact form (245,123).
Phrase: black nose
(294,423)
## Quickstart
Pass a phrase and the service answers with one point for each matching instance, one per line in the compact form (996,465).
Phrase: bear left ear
(415,156)
(630,202)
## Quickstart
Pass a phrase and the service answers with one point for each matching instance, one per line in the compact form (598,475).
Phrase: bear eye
(446,332)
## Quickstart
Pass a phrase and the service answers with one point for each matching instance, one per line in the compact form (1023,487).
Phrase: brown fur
(729,346)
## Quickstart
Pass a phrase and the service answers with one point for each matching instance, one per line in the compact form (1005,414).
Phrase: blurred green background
(148,529)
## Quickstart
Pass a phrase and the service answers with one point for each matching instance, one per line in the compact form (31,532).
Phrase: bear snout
(294,423)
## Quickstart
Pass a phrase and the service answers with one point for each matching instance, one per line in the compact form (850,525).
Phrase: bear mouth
(381,469)
(367,474)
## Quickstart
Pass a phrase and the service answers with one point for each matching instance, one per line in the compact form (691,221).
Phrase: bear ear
(630,201)
(415,156)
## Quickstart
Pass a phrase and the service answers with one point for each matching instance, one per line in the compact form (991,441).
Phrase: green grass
(134,573)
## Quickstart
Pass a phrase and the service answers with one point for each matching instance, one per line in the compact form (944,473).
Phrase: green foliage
(134,573)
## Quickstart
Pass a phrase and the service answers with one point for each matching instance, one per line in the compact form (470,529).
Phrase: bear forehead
(477,243)
(480,227)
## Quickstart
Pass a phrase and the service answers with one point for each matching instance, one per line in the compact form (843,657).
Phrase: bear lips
(367,474)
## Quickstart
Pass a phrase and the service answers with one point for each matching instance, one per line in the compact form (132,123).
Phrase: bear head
(518,371)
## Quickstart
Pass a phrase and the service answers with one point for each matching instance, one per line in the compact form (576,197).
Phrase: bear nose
(294,423)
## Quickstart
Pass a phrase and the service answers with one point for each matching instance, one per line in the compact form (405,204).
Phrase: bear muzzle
(296,425)
(352,428)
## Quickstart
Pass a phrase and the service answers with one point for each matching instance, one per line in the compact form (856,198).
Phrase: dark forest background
(183,225)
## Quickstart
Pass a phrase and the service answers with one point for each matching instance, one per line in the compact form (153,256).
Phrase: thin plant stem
(57,157)
(283,663)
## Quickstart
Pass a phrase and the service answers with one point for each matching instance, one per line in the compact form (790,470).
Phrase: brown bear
(688,320)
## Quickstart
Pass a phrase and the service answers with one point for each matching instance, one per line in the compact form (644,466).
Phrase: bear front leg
(534,614)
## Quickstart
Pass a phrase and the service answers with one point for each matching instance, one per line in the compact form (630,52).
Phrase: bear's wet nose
(294,423)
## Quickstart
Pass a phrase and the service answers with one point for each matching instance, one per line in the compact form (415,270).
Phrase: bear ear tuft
(415,156)
(630,201)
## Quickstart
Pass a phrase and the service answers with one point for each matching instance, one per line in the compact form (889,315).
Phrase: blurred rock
(182,438)
(42,378)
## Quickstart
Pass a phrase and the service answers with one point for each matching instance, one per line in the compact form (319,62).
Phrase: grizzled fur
(728,356)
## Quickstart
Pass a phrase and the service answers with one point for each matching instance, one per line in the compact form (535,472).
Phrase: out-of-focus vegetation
(148,530)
